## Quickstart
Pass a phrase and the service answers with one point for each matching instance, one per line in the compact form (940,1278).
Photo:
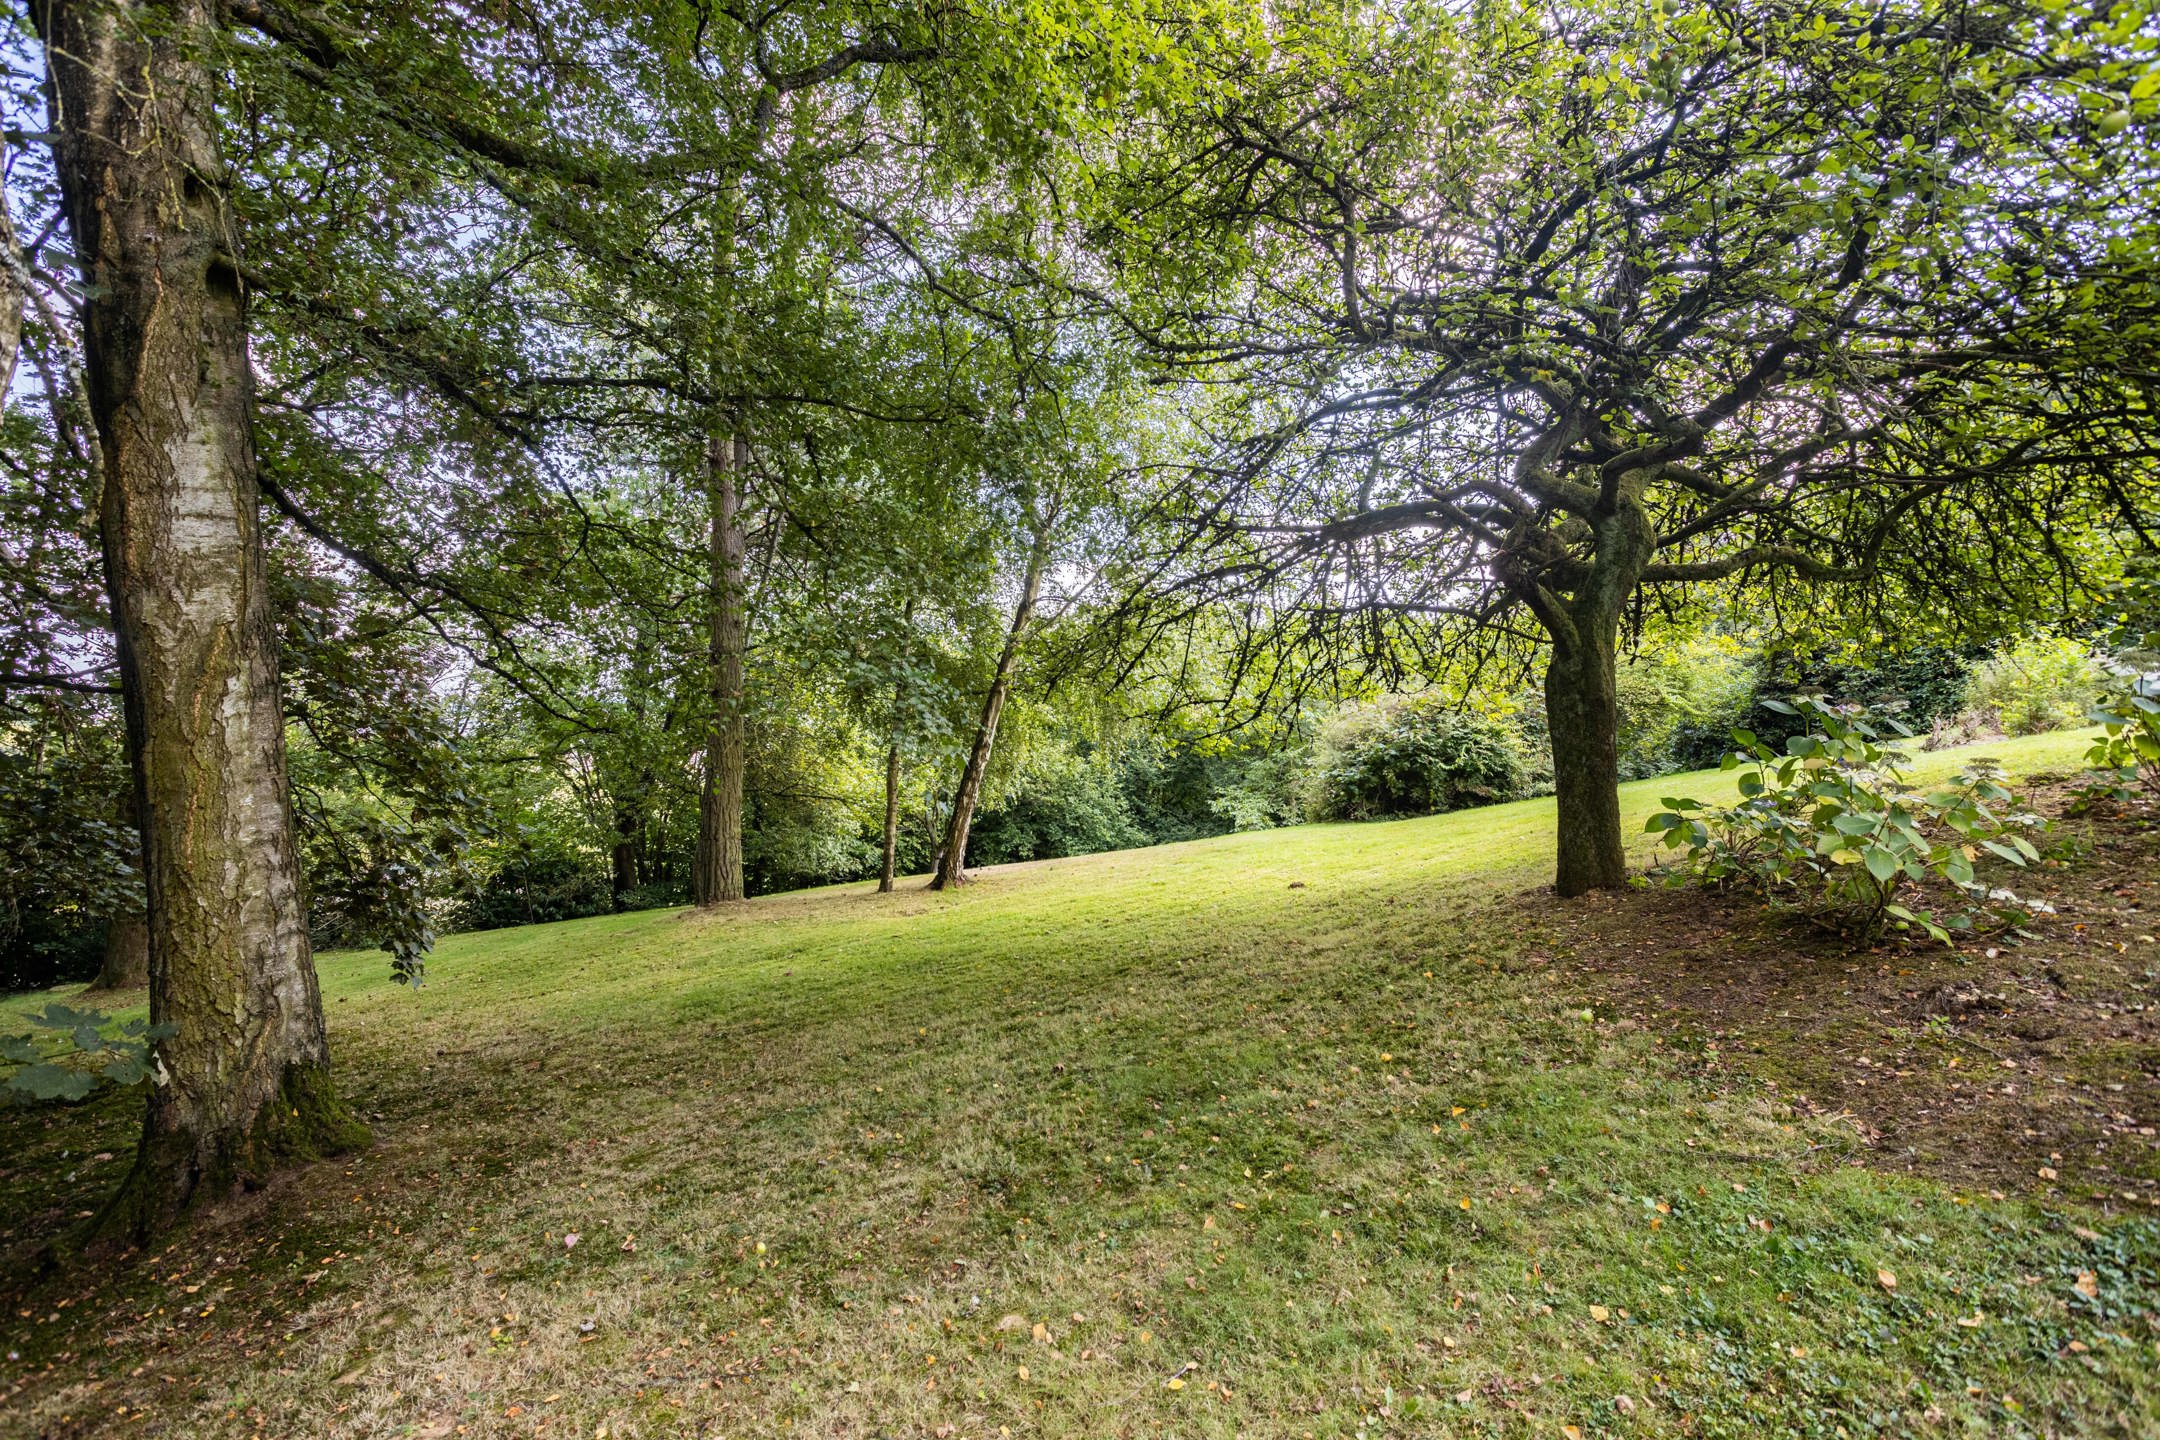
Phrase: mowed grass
(1288,1134)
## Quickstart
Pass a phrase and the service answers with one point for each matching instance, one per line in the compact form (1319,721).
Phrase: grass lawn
(1282,1134)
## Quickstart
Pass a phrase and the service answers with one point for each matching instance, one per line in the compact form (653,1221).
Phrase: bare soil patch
(2026,1063)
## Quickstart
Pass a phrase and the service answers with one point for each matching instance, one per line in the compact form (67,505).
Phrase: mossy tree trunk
(718,874)
(247,1079)
(1582,707)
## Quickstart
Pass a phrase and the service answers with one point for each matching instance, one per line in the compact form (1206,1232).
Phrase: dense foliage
(1829,822)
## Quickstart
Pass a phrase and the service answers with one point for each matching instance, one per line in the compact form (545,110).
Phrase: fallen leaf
(2047,1172)
(1041,1333)
(1011,1322)
(1625,1404)
(1888,1280)
(2088,1285)
(1462,1397)
(1173,1383)
(1573,1432)
(1600,1314)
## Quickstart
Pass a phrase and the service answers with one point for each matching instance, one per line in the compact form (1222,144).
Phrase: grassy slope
(1304,1110)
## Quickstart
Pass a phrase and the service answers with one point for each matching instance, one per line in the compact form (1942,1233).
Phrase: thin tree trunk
(14,295)
(892,818)
(247,1071)
(952,856)
(718,877)
(623,872)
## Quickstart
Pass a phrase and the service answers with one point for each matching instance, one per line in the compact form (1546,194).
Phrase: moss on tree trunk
(245,1083)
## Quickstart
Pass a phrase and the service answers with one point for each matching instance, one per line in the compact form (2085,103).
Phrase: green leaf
(46,1081)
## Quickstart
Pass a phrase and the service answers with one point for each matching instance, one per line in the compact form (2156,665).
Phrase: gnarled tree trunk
(952,856)
(247,1073)
(1582,708)
(718,873)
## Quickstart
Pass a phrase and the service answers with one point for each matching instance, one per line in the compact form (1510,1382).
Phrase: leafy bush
(1678,701)
(1063,804)
(2038,684)
(1919,686)
(532,888)
(2126,757)
(1264,792)
(1832,822)
(1413,756)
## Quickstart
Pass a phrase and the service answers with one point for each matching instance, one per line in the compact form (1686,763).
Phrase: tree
(952,854)
(1552,313)
(247,1078)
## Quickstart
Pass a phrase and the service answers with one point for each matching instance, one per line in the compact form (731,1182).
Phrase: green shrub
(1061,803)
(1413,756)
(2126,758)
(1267,790)
(2038,684)
(1832,823)
(1678,700)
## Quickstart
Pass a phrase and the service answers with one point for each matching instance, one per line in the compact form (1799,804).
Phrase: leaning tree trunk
(952,856)
(718,875)
(1582,707)
(247,1069)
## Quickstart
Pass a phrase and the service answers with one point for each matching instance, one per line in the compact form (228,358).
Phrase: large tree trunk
(718,875)
(952,856)
(1583,712)
(126,962)
(1582,707)
(247,1077)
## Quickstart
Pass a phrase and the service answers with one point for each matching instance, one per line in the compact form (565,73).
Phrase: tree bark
(892,819)
(952,856)
(628,850)
(247,1074)
(126,962)
(14,295)
(718,876)
(1582,707)
(1582,711)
